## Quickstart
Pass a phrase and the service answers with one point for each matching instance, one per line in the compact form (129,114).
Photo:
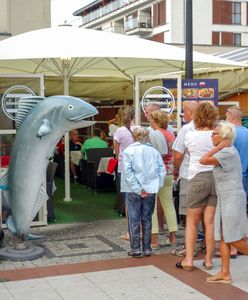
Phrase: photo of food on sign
(206,93)
(190,93)
(174,92)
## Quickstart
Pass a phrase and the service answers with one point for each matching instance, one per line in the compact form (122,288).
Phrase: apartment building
(18,16)
(215,22)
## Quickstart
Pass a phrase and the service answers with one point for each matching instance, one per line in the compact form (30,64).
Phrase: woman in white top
(201,196)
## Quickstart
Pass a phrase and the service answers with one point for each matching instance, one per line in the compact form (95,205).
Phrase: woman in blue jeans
(143,175)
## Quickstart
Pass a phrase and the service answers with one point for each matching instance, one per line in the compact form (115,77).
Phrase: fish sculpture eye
(70,107)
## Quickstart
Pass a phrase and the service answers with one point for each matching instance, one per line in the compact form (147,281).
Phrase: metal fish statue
(41,123)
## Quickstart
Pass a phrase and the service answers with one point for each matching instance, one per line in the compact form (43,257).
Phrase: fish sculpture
(40,123)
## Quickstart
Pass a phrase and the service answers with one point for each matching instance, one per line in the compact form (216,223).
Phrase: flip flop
(218,280)
(184,267)
(181,251)
(169,243)
(207,267)
(155,246)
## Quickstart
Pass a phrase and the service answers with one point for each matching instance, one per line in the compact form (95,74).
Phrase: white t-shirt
(180,147)
(198,143)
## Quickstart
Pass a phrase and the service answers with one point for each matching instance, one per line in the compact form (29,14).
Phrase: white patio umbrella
(67,51)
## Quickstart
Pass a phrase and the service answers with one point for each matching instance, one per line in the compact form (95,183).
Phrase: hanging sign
(161,96)
(11,98)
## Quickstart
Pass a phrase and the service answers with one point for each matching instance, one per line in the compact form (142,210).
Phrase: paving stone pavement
(89,261)
(81,242)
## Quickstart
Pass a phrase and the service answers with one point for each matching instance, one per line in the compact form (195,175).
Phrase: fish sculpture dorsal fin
(25,104)
(4,186)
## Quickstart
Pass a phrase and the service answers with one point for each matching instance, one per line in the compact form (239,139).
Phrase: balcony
(105,10)
(115,29)
(140,25)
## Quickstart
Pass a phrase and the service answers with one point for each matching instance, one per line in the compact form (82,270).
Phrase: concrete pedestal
(21,252)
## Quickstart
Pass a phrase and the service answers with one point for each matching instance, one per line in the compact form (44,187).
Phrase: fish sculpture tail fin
(29,236)
(4,186)
(26,237)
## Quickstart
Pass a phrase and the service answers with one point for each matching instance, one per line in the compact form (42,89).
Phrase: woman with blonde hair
(123,137)
(159,121)
(230,224)
(200,196)
(115,123)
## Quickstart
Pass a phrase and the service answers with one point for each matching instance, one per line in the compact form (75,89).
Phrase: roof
(238,55)
(89,5)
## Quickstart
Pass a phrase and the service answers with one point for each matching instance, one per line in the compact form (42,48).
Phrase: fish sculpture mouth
(81,117)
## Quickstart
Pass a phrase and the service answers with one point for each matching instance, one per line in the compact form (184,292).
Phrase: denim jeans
(140,213)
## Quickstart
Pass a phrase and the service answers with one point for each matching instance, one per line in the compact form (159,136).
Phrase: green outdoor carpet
(85,204)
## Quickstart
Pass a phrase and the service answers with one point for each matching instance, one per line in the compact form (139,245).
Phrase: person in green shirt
(95,142)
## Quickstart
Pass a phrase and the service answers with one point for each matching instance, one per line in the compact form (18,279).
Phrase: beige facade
(18,16)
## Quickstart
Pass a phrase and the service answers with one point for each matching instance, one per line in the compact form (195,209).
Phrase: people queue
(209,161)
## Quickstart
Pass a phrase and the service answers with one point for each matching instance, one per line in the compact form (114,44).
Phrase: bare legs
(209,233)
(193,219)
(241,246)
(225,249)
(73,169)
(224,275)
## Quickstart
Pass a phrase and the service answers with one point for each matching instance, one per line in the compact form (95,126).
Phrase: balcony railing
(105,10)
(115,29)
(139,22)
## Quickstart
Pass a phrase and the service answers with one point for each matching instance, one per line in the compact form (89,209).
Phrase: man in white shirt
(181,155)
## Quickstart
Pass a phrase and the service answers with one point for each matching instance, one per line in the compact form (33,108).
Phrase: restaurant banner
(195,89)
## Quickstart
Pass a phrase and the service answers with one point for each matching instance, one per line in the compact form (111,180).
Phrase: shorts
(201,191)
(182,196)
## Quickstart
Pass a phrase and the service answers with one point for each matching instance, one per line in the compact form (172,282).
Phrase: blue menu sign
(195,89)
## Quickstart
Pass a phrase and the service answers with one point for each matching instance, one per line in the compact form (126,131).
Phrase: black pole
(189,41)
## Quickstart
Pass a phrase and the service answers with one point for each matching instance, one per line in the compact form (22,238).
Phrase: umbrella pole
(67,197)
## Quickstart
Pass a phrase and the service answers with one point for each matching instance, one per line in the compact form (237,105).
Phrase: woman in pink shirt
(123,137)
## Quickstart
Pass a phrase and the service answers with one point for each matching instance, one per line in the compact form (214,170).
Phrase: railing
(139,22)
(115,29)
(106,9)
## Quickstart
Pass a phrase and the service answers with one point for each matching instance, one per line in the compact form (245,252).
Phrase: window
(159,13)
(226,12)
(237,39)
(230,39)
(236,13)
(215,38)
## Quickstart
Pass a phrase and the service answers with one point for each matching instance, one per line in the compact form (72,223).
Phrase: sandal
(181,251)
(169,243)
(155,246)
(207,267)
(214,279)
(184,267)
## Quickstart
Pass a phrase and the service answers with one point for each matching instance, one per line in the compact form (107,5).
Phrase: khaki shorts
(201,191)
(182,196)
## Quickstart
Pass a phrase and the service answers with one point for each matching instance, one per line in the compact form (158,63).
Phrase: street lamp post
(189,41)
